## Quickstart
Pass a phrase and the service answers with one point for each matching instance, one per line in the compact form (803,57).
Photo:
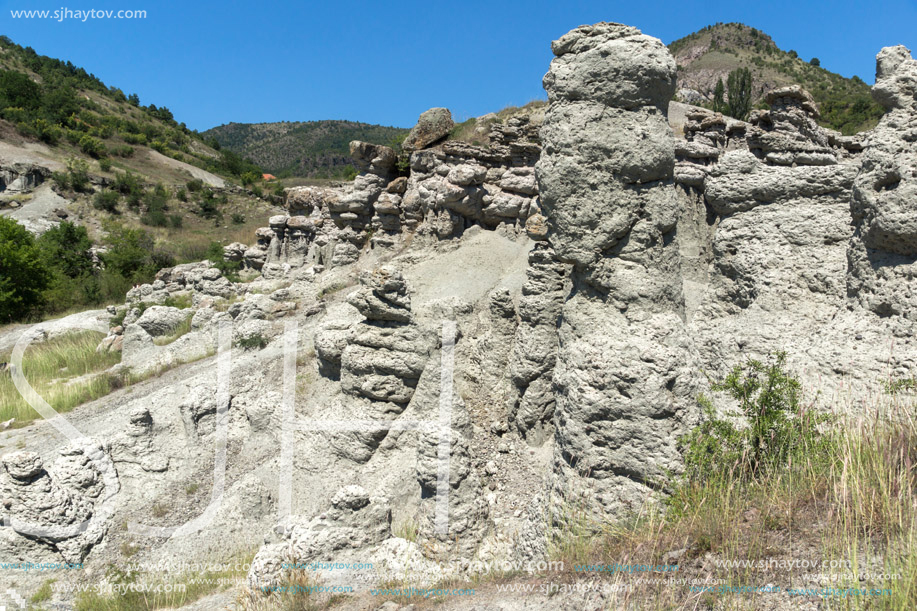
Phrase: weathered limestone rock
(161,320)
(67,506)
(387,353)
(355,521)
(135,443)
(531,365)
(433,125)
(883,250)
(624,379)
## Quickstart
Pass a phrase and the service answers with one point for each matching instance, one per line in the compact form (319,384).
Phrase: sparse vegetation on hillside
(65,372)
(837,489)
(315,149)
(713,52)
(59,103)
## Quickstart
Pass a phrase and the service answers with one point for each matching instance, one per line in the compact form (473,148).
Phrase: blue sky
(386,62)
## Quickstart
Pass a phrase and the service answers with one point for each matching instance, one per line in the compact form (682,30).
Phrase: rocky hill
(537,368)
(316,149)
(78,154)
(712,53)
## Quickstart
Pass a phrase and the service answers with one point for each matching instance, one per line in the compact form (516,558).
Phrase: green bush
(125,150)
(23,275)
(156,205)
(106,200)
(195,185)
(238,218)
(134,138)
(130,253)
(92,146)
(104,165)
(78,174)
(61,179)
(777,425)
(176,221)
(207,205)
(47,133)
(126,183)
(256,341)
(18,91)
(230,269)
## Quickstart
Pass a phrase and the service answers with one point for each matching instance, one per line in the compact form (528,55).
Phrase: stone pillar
(625,381)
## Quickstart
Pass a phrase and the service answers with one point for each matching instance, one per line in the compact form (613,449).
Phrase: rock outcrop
(490,332)
(434,124)
(67,506)
(883,249)
(625,379)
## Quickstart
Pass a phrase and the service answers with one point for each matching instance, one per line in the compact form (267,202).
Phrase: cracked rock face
(67,506)
(624,377)
(883,251)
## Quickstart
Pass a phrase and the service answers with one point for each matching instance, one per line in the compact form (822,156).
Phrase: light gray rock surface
(625,378)
(576,354)
(434,124)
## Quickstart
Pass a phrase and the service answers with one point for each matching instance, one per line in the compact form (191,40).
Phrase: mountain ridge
(317,149)
(711,53)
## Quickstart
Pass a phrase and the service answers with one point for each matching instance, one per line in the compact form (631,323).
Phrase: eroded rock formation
(625,380)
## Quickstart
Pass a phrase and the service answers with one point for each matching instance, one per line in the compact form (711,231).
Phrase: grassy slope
(143,141)
(317,149)
(711,53)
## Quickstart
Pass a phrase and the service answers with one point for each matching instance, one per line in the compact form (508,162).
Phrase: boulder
(432,126)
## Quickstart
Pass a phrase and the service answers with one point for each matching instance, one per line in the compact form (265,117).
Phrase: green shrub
(23,275)
(78,174)
(207,205)
(238,218)
(126,183)
(230,269)
(256,341)
(104,165)
(195,185)
(106,200)
(46,132)
(129,253)
(124,150)
(777,424)
(257,191)
(61,179)
(176,221)
(134,138)
(181,195)
(19,91)
(92,146)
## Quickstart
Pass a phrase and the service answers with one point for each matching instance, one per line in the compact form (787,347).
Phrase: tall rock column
(882,255)
(625,381)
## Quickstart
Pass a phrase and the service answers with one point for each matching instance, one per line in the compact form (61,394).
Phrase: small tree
(739,85)
(66,247)
(23,275)
(719,103)
(815,62)
(129,252)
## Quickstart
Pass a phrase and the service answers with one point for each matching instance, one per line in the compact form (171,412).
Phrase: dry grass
(850,504)
(295,594)
(183,329)
(64,371)
(163,592)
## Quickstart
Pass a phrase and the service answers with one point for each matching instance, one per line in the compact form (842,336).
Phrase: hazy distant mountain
(315,149)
